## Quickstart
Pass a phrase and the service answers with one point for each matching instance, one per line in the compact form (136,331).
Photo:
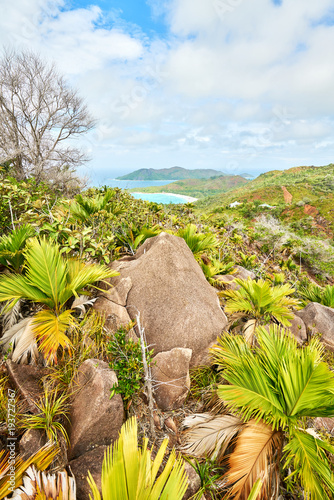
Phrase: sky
(235,85)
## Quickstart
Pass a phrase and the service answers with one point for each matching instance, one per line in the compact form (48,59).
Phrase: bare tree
(39,115)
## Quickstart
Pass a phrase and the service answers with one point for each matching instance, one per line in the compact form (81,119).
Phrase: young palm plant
(12,247)
(260,303)
(315,293)
(51,281)
(197,242)
(128,472)
(273,389)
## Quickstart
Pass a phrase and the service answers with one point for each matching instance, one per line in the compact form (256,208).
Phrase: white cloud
(233,83)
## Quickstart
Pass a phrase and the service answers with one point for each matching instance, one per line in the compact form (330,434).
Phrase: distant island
(170,174)
(199,188)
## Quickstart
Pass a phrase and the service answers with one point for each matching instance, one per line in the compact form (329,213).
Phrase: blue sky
(228,84)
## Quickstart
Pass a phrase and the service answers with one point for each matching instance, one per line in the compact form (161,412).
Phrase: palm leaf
(307,456)
(50,329)
(12,245)
(128,473)
(41,459)
(14,287)
(46,269)
(22,339)
(251,459)
(38,485)
(210,436)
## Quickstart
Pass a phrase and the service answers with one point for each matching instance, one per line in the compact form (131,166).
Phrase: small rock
(27,380)
(95,418)
(298,329)
(170,372)
(228,281)
(324,423)
(194,481)
(92,462)
(114,314)
(32,441)
(243,274)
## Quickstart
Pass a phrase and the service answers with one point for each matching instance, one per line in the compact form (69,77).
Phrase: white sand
(189,199)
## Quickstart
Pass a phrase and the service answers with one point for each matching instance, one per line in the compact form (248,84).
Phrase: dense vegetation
(263,389)
(173,173)
(199,188)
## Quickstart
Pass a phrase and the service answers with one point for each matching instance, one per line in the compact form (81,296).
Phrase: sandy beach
(189,199)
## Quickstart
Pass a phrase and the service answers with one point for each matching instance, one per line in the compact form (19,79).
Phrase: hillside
(199,188)
(170,174)
(303,195)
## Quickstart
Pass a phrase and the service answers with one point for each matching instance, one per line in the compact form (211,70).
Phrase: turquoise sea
(163,198)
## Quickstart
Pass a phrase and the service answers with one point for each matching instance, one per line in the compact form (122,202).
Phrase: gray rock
(32,441)
(319,319)
(194,481)
(115,315)
(298,329)
(95,418)
(324,423)
(177,306)
(27,380)
(92,462)
(170,372)
(119,293)
(243,273)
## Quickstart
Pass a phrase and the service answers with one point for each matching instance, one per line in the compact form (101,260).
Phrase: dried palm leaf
(22,338)
(210,435)
(249,330)
(11,317)
(39,485)
(253,458)
(82,303)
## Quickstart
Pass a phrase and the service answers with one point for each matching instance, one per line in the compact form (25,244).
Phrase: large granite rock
(243,274)
(92,462)
(95,418)
(319,319)
(170,372)
(177,306)
(28,381)
(298,329)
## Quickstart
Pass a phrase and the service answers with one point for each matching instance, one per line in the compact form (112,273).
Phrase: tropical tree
(260,303)
(273,389)
(52,281)
(128,472)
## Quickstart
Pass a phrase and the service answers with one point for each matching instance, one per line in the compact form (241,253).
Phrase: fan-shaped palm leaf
(256,446)
(128,473)
(197,242)
(12,246)
(258,299)
(21,338)
(50,331)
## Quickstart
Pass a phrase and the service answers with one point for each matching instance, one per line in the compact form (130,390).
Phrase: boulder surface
(177,306)
(319,319)
(95,418)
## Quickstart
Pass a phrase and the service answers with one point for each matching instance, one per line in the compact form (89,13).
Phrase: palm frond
(11,317)
(21,338)
(128,472)
(41,459)
(210,436)
(252,459)
(82,303)
(14,287)
(38,485)
(197,242)
(12,246)
(49,329)
(307,457)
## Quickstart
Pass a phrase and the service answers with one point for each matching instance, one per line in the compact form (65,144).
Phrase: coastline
(189,199)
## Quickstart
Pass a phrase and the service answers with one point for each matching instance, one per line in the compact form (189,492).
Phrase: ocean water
(134,184)
(163,198)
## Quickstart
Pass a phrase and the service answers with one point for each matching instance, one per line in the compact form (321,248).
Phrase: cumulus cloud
(231,84)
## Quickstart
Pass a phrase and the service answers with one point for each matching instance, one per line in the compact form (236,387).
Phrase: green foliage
(127,361)
(12,247)
(132,236)
(198,242)
(261,301)
(53,409)
(49,280)
(315,293)
(247,261)
(129,473)
(209,473)
(281,384)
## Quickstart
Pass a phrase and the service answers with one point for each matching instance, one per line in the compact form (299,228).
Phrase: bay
(163,198)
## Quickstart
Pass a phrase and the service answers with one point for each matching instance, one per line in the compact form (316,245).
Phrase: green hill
(170,174)
(198,188)
(311,190)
